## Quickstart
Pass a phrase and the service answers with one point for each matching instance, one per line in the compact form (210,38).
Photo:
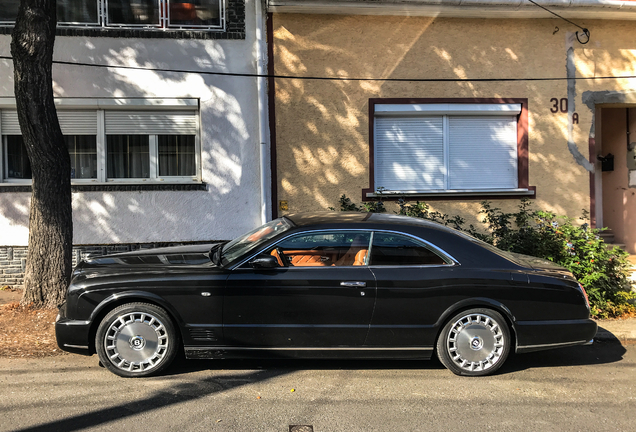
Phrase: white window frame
(103,105)
(445,111)
(163,24)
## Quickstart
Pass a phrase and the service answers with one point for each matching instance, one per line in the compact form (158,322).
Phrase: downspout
(261,84)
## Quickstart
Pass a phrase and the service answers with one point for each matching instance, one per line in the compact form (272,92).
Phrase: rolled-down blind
(10,125)
(483,152)
(151,122)
(72,122)
(409,153)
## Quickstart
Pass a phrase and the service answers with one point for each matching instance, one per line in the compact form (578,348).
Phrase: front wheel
(136,340)
(475,342)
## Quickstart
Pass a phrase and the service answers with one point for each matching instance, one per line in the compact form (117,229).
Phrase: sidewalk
(621,330)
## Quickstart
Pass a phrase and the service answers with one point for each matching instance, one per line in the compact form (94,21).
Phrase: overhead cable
(333,78)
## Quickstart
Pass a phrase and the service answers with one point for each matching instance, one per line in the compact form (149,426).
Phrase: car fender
(135,295)
(476,302)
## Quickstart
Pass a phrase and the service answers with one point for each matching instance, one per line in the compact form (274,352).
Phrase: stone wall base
(13,258)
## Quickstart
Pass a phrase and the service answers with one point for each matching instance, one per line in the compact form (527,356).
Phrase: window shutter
(483,152)
(153,122)
(409,153)
(10,124)
(76,122)
(72,122)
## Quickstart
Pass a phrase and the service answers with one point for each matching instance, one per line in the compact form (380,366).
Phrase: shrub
(600,269)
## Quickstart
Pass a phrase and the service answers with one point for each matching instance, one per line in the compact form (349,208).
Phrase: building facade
(454,104)
(162,128)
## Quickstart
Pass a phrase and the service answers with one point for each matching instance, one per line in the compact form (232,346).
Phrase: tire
(136,340)
(475,342)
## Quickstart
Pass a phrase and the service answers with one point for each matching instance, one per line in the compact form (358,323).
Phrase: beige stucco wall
(322,126)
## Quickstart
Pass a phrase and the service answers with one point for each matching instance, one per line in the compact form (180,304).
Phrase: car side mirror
(264,261)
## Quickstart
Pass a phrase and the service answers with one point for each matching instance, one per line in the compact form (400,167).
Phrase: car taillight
(587,300)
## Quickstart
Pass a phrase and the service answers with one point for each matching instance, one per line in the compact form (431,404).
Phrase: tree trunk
(48,266)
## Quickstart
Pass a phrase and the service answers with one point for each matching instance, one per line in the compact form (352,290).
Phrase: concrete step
(607,236)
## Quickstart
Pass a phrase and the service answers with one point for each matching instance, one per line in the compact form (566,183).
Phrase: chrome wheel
(136,339)
(136,342)
(475,342)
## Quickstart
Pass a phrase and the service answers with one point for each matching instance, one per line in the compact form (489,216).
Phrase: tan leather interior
(278,258)
(317,258)
(354,256)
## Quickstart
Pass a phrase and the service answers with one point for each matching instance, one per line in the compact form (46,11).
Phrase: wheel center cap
(137,342)
(476,343)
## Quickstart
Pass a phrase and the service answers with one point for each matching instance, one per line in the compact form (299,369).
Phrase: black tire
(136,340)
(475,342)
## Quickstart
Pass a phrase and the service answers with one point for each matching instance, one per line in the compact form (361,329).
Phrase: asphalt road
(574,389)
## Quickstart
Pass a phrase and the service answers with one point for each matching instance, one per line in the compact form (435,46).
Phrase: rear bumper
(73,336)
(541,335)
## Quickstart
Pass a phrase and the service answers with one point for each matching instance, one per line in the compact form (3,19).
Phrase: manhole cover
(301,428)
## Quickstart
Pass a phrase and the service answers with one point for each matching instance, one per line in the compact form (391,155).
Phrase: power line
(323,78)
(586,32)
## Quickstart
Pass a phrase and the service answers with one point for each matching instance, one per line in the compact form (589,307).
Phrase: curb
(623,331)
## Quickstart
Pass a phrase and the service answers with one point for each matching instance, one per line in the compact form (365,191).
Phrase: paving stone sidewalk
(623,330)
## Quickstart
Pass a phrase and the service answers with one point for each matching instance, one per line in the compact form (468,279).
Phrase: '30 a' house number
(561,105)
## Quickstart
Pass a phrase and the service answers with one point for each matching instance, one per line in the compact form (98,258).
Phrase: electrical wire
(586,32)
(323,78)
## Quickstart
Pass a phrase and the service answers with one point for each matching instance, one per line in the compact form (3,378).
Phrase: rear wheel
(475,342)
(136,340)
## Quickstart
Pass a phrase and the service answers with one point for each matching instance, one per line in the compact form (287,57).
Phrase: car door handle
(354,284)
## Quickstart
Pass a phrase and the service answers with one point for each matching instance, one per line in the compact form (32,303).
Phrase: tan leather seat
(278,258)
(355,256)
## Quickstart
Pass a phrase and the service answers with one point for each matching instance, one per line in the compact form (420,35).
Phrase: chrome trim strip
(431,246)
(348,326)
(77,346)
(553,345)
(590,342)
(73,323)
(191,348)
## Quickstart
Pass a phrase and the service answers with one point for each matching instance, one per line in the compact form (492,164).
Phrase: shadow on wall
(228,157)
(323,126)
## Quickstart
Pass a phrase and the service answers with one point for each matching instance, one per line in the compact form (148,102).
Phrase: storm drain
(301,428)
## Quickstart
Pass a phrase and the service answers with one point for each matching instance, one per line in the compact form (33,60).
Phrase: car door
(413,279)
(321,295)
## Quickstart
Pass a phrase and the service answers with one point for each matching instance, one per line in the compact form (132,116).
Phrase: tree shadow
(178,393)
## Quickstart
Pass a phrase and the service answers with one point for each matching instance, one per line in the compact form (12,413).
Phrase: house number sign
(561,105)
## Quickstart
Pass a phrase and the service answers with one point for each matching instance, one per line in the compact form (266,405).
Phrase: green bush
(600,269)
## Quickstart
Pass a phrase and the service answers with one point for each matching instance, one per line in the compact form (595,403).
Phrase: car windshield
(250,241)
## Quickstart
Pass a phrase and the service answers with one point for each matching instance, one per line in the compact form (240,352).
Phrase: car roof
(328,218)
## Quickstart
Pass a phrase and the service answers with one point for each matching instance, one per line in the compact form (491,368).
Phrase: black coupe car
(323,285)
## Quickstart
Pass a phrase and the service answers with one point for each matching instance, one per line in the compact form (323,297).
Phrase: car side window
(325,248)
(397,250)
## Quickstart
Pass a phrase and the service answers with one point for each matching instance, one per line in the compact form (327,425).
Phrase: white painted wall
(229,139)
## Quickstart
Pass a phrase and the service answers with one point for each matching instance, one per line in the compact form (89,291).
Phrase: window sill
(114,187)
(529,192)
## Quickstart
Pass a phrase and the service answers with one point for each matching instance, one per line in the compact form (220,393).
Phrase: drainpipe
(263,133)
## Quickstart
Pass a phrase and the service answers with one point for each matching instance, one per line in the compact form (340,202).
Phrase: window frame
(523,188)
(120,104)
(243,263)
(162,25)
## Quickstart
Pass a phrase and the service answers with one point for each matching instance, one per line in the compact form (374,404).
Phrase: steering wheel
(284,258)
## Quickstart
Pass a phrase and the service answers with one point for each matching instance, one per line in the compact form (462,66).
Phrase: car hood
(150,259)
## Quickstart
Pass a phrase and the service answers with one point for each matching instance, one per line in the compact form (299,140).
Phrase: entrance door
(618,139)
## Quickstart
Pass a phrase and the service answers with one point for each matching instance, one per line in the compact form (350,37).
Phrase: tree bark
(49,262)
